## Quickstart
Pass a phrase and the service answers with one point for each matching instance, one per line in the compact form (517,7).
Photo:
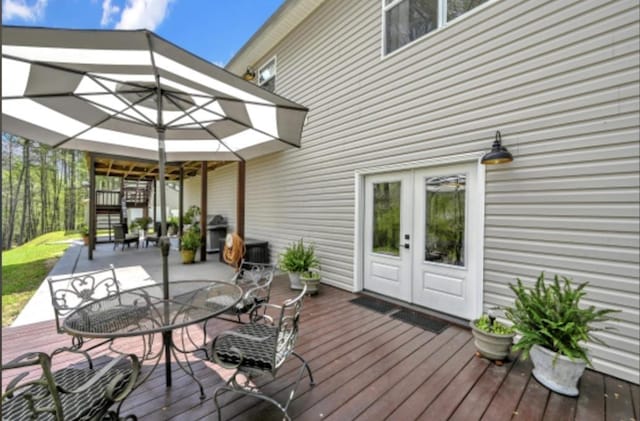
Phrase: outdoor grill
(217,229)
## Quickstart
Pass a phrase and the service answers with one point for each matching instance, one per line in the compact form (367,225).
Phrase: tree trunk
(26,198)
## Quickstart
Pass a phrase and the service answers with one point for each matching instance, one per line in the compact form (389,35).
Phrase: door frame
(359,215)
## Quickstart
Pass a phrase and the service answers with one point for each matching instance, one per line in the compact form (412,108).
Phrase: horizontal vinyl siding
(559,79)
(221,193)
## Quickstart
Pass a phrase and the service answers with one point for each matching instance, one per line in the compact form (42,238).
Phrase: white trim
(442,23)
(358,240)
(266,64)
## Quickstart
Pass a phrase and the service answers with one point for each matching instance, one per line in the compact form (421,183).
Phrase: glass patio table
(143,312)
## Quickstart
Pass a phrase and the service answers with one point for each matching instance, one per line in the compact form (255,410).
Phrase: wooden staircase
(111,205)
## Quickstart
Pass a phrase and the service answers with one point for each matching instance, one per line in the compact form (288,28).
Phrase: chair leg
(305,364)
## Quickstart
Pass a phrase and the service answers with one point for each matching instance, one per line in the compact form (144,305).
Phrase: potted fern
(554,328)
(492,339)
(189,244)
(296,259)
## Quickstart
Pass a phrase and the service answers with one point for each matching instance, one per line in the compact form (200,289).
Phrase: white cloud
(146,14)
(107,12)
(20,9)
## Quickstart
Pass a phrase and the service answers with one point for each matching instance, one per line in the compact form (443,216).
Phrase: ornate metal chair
(260,348)
(70,393)
(120,236)
(71,293)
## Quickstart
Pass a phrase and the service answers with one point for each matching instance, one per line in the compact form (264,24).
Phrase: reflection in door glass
(445,207)
(386,218)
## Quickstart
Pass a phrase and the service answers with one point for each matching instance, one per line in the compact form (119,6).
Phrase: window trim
(275,70)
(442,23)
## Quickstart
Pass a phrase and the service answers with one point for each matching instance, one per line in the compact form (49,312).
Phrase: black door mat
(374,304)
(421,320)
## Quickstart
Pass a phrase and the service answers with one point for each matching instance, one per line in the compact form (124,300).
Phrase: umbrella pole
(164,248)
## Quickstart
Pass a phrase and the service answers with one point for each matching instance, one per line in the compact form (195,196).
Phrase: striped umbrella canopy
(134,94)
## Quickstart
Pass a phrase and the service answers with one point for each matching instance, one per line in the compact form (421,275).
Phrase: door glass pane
(445,213)
(386,218)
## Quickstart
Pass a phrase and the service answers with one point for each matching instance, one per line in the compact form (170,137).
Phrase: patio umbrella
(132,93)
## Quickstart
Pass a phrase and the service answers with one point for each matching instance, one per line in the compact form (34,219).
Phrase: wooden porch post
(181,204)
(240,199)
(203,211)
(155,201)
(92,206)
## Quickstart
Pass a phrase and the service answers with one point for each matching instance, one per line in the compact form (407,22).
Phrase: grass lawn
(25,267)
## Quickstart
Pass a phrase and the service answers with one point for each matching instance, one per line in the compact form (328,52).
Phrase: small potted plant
(84,231)
(311,278)
(554,328)
(189,244)
(492,339)
(296,259)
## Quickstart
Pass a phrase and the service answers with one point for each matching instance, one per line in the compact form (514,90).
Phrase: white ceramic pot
(294,281)
(562,376)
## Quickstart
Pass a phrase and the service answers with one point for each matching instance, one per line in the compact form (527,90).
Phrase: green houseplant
(554,328)
(492,339)
(189,244)
(84,231)
(296,259)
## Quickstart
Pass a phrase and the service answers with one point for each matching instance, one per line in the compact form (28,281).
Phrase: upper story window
(407,20)
(267,75)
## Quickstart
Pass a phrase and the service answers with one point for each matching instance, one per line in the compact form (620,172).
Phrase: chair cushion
(107,320)
(256,354)
(76,406)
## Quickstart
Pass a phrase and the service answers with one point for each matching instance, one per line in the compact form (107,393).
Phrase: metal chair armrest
(25,360)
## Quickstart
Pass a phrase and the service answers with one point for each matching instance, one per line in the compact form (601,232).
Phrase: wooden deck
(367,366)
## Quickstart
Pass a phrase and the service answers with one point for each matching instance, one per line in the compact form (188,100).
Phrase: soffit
(279,25)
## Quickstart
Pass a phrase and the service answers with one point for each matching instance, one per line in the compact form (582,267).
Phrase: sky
(212,29)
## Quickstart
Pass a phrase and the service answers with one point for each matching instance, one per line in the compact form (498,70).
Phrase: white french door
(423,237)
(388,268)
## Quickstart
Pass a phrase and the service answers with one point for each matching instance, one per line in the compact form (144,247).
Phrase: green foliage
(83,229)
(550,316)
(192,215)
(173,222)
(25,267)
(141,223)
(191,239)
(484,323)
(298,258)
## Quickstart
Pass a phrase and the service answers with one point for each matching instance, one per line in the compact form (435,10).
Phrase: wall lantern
(249,74)
(499,154)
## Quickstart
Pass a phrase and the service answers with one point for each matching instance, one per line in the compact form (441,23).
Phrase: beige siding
(558,78)
(221,193)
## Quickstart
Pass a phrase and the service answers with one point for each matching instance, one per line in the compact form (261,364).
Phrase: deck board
(367,366)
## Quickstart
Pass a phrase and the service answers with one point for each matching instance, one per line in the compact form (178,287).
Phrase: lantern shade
(498,154)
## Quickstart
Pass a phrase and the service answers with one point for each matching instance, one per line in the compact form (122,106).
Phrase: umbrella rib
(199,107)
(119,98)
(246,125)
(169,97)
(137,120)
(98,123)
(270,104)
